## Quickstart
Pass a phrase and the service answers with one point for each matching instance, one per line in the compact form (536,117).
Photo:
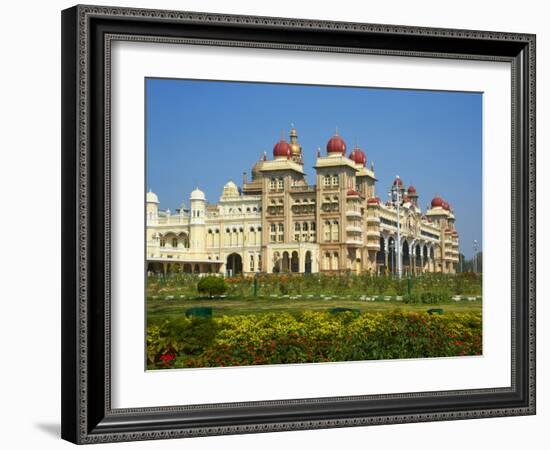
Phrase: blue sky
(204,133)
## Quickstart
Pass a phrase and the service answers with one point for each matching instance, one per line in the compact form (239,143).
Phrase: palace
(277,222)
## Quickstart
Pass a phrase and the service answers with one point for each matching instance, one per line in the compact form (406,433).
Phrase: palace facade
(277,222)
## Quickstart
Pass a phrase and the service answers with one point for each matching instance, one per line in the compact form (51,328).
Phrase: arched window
(280,183)
(326,180)
(272,233)
(335,231)
(335,180)
(335,261)
(297,226)
(175,242)
(326,264)
(163,242)
(304,226)
(272,183)
(327,231)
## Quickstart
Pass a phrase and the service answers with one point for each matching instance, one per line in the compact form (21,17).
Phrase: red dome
(437,202)
(336,145)
(358,156)
(398,182)
(373,200)
(411,190)
(282,148)
(446,206)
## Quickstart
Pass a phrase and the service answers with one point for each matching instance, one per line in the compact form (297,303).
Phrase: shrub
(283,338)
(212,286)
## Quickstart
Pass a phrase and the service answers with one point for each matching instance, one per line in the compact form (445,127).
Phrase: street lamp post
(392,257)
(395,195)
(475,256)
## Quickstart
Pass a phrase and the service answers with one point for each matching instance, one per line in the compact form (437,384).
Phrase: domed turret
(398,182)
(373,201)
(151,207)
(151,197)
(411,190)
(336,145)
(437,202)
(282,149)
(257,169)
(230,190)
(198,207)
(197,194)
(358,156)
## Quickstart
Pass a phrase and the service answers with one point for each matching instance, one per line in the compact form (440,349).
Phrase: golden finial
(293,132)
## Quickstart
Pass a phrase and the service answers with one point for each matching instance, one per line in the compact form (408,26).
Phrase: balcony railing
(354,229)
(353,213)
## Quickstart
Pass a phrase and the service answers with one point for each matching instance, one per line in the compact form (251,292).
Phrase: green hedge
(283,338)
(441,286)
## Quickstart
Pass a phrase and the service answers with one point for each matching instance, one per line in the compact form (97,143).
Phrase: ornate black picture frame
(87,33)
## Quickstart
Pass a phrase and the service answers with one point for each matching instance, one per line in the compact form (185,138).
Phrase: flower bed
(284,338)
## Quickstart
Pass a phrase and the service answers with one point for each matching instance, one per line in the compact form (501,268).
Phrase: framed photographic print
(280,224)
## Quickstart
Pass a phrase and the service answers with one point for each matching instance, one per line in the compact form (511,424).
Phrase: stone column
(301,260)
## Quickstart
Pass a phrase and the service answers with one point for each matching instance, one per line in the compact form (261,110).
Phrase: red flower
(167,358)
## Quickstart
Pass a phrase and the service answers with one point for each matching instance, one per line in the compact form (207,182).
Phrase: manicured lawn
(283,319)
(160,309)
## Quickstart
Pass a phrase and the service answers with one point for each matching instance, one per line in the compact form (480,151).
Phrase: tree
(212,286)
